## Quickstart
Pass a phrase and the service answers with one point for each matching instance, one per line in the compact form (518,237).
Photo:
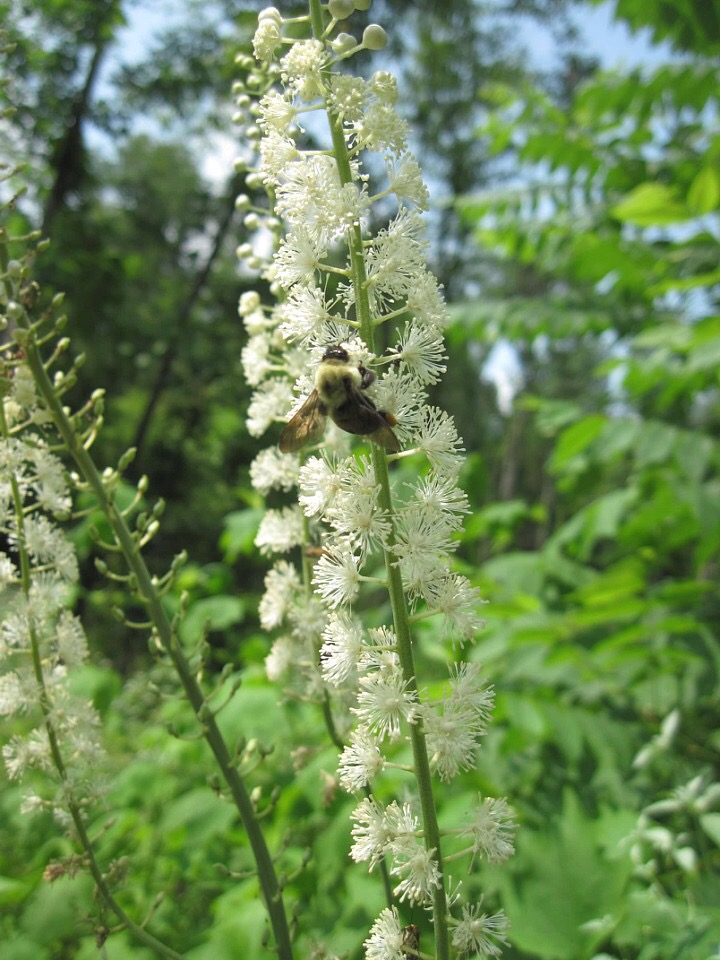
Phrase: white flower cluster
(336,284)
(38,572)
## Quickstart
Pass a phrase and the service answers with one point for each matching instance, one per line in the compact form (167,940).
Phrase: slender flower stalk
(363,536)
(35,626)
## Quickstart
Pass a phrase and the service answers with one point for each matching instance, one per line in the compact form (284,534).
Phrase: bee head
(336,353)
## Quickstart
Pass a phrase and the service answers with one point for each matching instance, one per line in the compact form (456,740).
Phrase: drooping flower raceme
(324,140)
(41,641)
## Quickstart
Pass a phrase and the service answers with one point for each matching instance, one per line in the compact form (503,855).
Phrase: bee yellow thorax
(331,381)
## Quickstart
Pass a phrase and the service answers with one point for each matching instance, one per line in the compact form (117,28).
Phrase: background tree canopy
(578,231)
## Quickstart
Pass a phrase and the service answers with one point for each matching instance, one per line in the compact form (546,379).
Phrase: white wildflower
(387,937)
(256,360)
(342,647)
(381,129)
(361,761)
(439,439)
(298,258)
(406,181)
(266,39)
(281,585)
(269,403)
(422,350)
(491,830)
(337,577)
(376,827)
(385,700)
(280,531)
(272,470)
(479,934)
(456,599)
(418,868)
(302,69)
(319,483)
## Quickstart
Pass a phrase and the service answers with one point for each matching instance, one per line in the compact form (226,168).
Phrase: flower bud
(343,43)
(374,37)
(341,9)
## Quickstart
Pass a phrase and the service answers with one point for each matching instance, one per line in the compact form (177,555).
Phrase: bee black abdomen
(356,418)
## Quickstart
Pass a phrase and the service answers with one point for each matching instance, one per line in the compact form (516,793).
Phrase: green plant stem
(396,589)
(124,538)
(46,707)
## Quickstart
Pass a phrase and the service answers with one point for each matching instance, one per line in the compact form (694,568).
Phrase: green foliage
(606,633)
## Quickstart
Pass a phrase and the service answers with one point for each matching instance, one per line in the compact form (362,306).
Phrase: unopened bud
(374,37)
(341,9)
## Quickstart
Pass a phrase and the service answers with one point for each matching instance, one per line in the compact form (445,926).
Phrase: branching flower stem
(395,583)
(168,638)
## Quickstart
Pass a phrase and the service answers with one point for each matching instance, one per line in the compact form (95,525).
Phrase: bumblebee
(340,394)
(411,940)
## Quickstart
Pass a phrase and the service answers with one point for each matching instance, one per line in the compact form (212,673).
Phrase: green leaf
(576,439)
(241,527)
(212,613)
(704,191)
(710,822)
(562,881)
(12,890)
(650,204)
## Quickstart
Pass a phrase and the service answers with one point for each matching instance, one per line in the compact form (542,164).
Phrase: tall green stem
(395,583)
(124,538)
(46,707)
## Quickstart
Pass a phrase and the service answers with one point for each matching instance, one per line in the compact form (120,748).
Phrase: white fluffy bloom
(280,531)
(342,647)
(422,350)
(348,96)
(456,599)
(71,640)
(277,113)
(418,868)
(361,761)
(256,359)
(337,577)
(269,403)
(478,934)
(281,585)
(387,937)
(382,130)
(49,483)
(356,517)
(395,259)
(13,697)
(406,181)
(491,830)
(376,827)
(47,544)
(305,315)
(276,152)
(439,439)
(320,483)
(312,197)
(298,258)
(302,68)
(384,702)
(266,39)
(425,301)
(272,470)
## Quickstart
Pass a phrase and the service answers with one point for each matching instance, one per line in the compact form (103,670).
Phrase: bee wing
(359,415)
(384,437)
(307,426)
